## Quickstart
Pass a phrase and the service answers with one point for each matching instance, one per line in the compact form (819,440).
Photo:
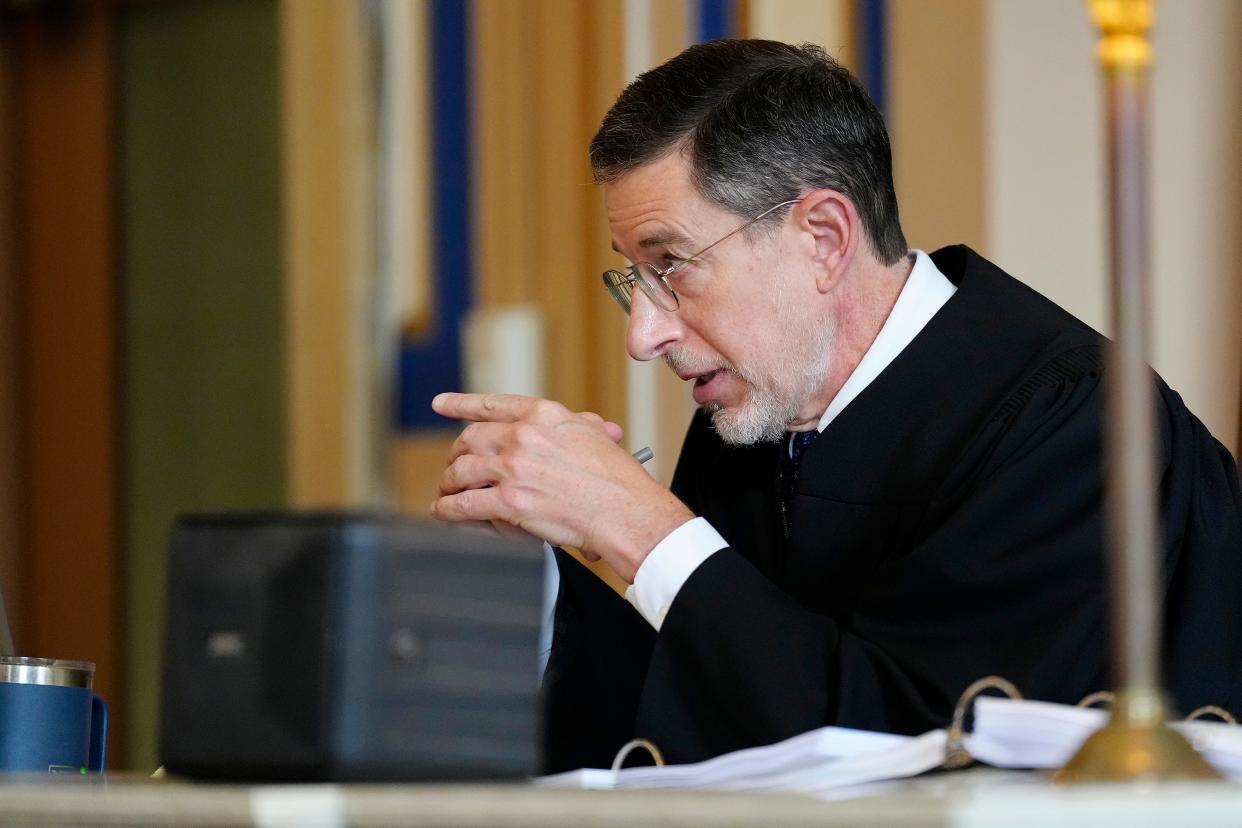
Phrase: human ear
(830,224)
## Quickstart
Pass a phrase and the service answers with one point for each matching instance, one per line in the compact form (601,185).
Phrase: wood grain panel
(543,75)
(12,562)
(936,121)
(604,324)
(327,140)
(674,25)
(68,407)
(507,135)
(561,173)
(827,23)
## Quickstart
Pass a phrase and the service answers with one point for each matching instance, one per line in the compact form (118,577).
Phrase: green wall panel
(201,302)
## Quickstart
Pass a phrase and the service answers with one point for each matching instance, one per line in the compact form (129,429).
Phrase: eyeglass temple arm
(730,235)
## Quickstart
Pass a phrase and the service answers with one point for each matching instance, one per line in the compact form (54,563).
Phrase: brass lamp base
(1136,746)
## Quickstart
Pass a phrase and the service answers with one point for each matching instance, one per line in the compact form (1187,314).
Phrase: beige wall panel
(1045,153)
(827,23)
(1047,177)
(327,150)
(1197,207)
(936,120)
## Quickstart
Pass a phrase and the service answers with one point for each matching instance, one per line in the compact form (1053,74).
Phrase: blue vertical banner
(871,20)
(431,361)
(716,19)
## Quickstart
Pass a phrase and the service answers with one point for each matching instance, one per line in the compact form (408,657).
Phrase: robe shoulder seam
(1070,366)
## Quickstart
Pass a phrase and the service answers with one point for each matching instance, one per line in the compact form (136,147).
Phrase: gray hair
(761,122)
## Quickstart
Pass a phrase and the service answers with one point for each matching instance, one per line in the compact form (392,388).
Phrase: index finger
(496,408)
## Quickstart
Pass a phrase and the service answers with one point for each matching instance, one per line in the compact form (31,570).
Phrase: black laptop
(348,647)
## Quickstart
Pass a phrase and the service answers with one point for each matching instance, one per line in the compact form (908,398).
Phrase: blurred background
(243,242)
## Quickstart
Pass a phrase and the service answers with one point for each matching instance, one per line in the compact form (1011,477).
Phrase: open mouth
(704,379)
(708,387)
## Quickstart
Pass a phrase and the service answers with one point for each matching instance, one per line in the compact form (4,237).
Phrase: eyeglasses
(654,282)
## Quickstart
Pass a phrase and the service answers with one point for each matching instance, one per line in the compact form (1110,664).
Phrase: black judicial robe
(947,525)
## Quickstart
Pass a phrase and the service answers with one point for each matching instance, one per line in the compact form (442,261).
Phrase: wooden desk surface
(133,802)
(973,798)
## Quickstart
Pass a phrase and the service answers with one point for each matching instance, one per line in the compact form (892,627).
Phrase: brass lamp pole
(1136,744)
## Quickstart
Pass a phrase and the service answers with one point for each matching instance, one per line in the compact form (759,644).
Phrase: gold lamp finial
(1123,28)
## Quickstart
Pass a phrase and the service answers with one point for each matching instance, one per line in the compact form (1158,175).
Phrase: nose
(651,330)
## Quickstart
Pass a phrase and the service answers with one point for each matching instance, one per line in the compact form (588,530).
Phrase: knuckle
(464,443)
(549,410)
(510,498)
(512,467)
(454,472)
(524,434)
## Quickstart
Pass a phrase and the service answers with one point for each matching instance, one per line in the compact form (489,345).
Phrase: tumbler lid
(54,671)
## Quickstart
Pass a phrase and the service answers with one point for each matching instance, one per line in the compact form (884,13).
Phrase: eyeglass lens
(621,286)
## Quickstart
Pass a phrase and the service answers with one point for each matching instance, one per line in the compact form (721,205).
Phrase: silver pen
(644,454)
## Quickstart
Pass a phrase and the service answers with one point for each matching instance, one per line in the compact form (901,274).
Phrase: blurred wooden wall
(540,234)
(64,561)
(12,580)
(328,188)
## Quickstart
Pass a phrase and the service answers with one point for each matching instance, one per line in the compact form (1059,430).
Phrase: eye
(689,279)
(674,261)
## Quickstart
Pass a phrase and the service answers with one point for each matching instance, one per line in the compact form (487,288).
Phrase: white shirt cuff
(669,565)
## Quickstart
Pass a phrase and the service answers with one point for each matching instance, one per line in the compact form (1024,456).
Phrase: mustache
(684,362)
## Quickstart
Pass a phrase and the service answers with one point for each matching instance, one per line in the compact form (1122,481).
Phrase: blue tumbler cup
(50,721)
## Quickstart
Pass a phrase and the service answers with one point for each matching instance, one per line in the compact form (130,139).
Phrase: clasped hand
(557,474)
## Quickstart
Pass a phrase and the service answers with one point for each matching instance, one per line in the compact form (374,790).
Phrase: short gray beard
(767,411)
(762,418)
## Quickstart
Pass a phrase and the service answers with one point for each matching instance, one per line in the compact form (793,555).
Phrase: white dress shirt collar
(926,291)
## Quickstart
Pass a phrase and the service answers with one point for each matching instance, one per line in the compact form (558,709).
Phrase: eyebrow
(668,237)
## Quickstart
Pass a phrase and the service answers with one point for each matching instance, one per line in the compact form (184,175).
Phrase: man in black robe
(895,484)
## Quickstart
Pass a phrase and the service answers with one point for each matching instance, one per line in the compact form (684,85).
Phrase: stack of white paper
(1029,734)
(1032,734)
(816,761)
(832,760)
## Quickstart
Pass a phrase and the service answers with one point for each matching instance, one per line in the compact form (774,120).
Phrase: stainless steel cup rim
(58,672)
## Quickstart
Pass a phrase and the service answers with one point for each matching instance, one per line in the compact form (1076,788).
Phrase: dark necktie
(790,458)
